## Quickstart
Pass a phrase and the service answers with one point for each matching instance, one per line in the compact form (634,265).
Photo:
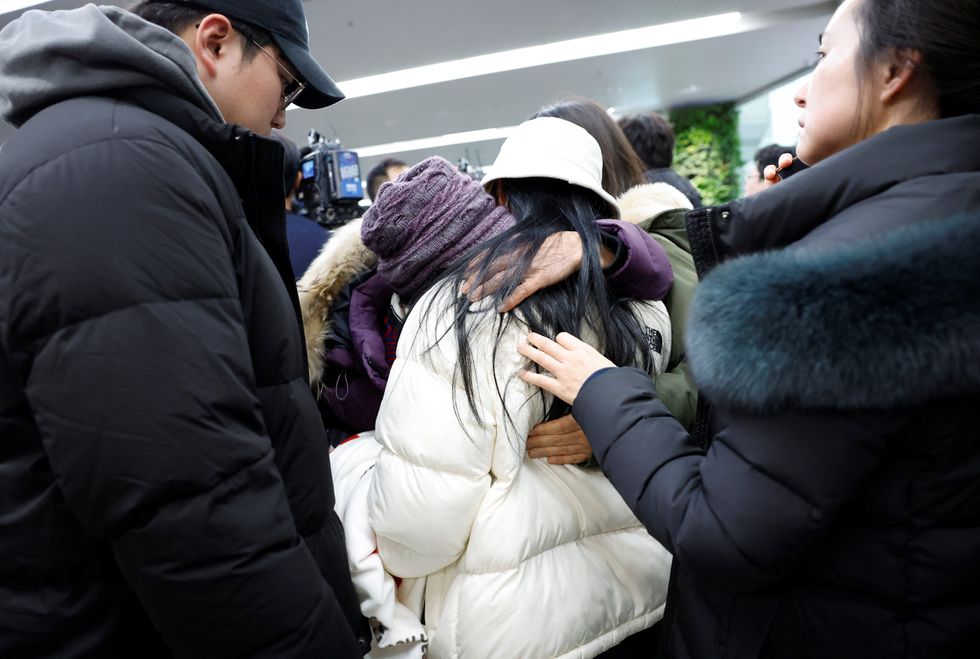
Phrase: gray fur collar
(877,325)
(341,259)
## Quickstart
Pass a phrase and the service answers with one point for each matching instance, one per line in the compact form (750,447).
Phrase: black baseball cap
(285,20)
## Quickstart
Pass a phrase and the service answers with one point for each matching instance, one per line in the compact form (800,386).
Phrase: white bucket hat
(548,147)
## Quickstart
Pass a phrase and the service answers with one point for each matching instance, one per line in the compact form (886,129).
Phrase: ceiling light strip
(551,53)
(467,137)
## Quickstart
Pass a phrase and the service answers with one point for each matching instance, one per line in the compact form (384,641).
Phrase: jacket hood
(341,259)
(878,325)
(49,57)
(646,201)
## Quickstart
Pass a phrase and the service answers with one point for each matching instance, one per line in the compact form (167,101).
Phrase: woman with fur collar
(520,558)
(828,506)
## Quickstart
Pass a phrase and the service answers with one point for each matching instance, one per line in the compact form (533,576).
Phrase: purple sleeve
(645,273)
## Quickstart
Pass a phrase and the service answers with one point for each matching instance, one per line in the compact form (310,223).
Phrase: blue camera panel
(349,168)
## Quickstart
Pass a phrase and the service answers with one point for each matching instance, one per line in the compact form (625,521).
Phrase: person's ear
(898,72)
(210,41)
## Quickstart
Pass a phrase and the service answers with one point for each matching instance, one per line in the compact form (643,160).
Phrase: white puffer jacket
(523,559)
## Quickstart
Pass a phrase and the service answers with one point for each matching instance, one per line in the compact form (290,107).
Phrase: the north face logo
(655,340)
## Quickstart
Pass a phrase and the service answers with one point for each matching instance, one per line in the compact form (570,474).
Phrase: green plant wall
(708,151)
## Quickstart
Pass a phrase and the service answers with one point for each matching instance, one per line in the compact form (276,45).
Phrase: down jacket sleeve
(645,272)
(751,508)
(123,307)
(439,458)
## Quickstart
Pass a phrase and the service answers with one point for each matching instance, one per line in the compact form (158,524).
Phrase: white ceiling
(359,38)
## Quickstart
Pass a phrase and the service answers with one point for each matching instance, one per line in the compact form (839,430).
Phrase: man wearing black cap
(164,481)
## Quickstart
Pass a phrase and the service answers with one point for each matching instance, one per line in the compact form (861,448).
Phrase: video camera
(330,188)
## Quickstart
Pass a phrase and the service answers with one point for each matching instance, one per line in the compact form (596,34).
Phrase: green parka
(661,211)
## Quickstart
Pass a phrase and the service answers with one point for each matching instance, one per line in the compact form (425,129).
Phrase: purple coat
(356,372)
(643,271)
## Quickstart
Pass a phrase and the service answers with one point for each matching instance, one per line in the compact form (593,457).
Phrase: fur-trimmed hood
(880,324)
(340,260)
(642,202)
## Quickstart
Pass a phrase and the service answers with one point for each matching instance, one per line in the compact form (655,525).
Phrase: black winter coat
(164,476)
(831,506)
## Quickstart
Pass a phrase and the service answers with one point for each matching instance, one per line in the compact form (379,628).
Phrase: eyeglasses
(291,89)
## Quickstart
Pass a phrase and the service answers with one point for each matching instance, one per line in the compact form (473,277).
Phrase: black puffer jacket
(833,508)
(164,477)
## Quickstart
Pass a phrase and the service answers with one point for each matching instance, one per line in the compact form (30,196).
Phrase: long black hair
(585,301)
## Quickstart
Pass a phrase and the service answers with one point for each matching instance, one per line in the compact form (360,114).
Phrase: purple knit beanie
(425,220)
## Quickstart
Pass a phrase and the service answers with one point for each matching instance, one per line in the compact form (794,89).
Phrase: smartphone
(779,169)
